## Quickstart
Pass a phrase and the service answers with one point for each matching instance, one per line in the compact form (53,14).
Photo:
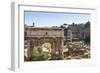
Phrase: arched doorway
(46,47)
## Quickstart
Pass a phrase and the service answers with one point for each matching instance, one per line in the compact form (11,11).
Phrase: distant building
(77,31)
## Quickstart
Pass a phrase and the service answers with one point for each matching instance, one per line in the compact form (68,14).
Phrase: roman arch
(39,36)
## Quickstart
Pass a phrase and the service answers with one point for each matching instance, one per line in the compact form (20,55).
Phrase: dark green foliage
(87,40)
(38,54)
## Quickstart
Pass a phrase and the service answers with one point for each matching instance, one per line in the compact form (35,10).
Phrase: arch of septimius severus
(35,36)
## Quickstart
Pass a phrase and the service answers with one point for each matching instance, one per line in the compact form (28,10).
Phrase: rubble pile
(76,50)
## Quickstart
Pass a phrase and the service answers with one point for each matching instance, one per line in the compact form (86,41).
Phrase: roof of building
(54,28)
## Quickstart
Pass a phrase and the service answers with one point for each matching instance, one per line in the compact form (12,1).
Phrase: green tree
(87,40)
(38,54)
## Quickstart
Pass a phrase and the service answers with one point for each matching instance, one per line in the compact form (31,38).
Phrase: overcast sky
(48,19)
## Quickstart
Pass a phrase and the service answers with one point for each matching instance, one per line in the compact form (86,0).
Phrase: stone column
(62,45)
(53,48)
(31,47)
(71,36)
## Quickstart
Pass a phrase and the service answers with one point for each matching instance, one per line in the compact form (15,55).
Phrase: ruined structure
(35,36)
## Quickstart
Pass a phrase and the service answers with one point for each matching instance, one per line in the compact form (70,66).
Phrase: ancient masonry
(35,36)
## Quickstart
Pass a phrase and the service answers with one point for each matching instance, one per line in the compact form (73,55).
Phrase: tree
(73,23)
(87,25)
(62,26)
(87,40)
(65,24)
(38,54)
(33,24)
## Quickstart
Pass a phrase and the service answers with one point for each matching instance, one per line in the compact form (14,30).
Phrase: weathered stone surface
(38,36)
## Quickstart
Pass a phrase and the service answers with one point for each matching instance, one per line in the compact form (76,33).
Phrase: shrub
(38,54)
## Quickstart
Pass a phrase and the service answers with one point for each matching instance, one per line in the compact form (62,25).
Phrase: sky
(49,19)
